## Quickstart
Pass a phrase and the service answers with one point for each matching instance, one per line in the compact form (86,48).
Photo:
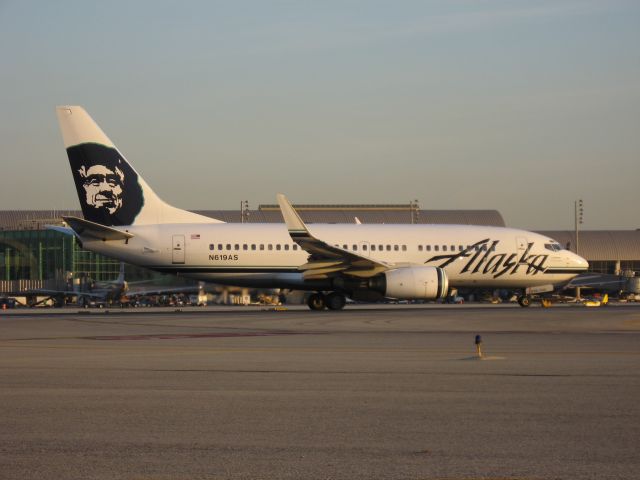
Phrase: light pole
(578,216)
(415,211)
(244,211)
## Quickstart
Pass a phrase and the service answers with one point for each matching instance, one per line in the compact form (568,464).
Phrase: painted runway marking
(178,336)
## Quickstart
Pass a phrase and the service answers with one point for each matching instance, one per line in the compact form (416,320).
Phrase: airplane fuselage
(264,255)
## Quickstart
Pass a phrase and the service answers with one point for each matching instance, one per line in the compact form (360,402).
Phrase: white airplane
(126,220)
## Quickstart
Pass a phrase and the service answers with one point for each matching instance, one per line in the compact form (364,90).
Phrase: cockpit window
(554,247)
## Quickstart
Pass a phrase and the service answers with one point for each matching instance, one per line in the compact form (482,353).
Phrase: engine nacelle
(425,283)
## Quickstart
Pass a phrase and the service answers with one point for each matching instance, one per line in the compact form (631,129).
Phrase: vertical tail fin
(120,279)
(110,191)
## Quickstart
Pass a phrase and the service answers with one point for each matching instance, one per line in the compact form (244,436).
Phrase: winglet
(324,259)
(295,225)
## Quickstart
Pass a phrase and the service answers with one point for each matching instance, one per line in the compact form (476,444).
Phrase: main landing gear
(332,301)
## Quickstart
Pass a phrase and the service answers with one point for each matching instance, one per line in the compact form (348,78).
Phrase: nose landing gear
(524,300)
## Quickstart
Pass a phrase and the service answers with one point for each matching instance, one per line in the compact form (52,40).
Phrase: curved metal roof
(463,217)
(37,219)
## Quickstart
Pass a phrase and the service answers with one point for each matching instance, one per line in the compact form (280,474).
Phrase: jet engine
(425,283)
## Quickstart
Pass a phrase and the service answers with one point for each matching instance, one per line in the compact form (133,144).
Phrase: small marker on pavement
(479,346)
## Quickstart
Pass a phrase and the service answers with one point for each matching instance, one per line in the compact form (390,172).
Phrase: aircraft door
(177,249)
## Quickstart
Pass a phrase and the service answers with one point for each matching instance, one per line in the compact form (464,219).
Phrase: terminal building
(31,256)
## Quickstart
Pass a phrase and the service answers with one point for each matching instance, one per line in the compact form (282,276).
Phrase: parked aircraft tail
(110,191)
(120,279)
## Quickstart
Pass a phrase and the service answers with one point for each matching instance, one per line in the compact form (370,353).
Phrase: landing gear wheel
(524,301)
(335,301)
(316,301)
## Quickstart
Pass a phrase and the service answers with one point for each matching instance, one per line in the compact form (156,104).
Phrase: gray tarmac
(369,392)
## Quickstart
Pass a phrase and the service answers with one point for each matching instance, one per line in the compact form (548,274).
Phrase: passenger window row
(453,248)
(253,246)
(354,247)
(396,248)
(365,247)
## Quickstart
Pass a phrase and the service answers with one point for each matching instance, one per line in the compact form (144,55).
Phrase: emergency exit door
(177,255)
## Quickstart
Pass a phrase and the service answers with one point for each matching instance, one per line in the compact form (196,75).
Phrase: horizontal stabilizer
(87,229)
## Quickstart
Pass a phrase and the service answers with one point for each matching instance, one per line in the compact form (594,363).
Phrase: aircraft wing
(326,260)
(163,290)
(599,280)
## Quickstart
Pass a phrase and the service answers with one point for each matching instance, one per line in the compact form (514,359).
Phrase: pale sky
(518,106)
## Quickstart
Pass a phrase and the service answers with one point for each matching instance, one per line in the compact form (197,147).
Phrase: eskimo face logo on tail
(103,187)
(107,186)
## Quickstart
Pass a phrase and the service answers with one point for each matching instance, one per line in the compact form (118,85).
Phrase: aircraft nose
(579,262)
